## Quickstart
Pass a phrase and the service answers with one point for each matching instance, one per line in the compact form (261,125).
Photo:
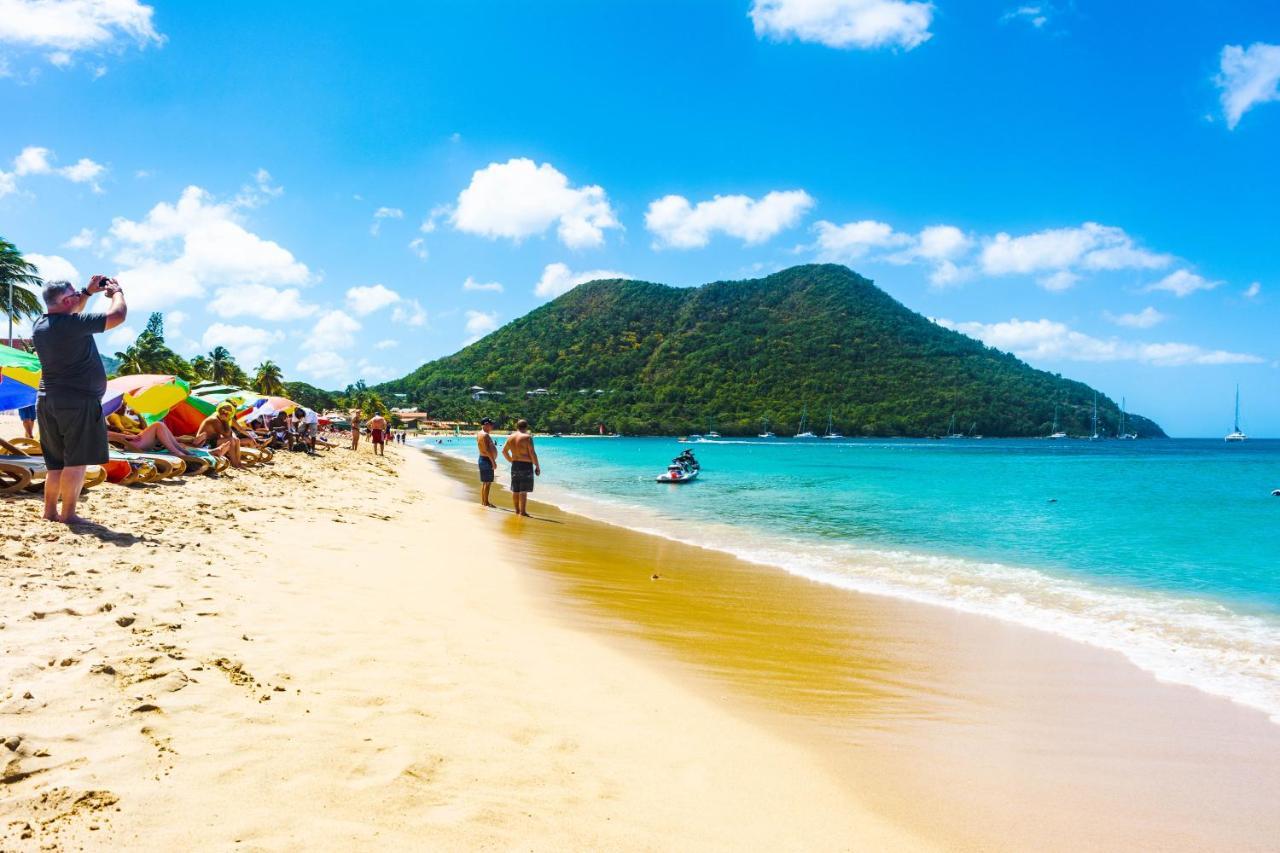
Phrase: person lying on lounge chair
(124,421)
(152,438)
(217,433)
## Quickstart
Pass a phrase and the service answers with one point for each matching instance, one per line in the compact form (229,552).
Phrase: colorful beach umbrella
(19,378)
(150,395)
(268,406)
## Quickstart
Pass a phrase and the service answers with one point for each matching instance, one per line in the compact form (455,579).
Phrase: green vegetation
(310,396)
(644,358)
(17,279)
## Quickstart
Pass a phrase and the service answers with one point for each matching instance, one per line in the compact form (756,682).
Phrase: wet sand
(974,733)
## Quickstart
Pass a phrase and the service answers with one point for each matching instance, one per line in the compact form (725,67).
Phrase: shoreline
(927,710)
(1178,638)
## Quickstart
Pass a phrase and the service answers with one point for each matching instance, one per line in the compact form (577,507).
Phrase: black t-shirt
(68,355)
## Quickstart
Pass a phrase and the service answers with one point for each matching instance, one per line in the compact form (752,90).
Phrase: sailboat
(711,429)
(830,433)
(973,430)
(768,433)
(804,431)
(1095,436)
(951,429)
(1057,433)
(1124,436)
(1236,434)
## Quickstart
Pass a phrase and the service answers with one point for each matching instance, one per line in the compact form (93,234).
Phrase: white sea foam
(1182,640)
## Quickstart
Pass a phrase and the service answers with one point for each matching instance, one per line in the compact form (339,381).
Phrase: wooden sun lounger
(19,469)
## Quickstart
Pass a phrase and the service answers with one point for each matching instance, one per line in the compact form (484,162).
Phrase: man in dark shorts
(73,433)
(488,461)
(519,451)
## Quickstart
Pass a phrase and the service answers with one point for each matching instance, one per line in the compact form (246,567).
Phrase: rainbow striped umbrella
(19,378)
(150,395)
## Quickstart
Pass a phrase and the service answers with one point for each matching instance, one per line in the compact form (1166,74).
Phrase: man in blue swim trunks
(488,461)
(27,414)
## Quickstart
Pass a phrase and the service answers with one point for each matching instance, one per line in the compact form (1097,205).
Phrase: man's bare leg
(69,486)
(52,482)
(29,428)
(484,494)
(233,453)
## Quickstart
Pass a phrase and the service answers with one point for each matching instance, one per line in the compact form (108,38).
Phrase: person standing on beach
(73,433)
(519,451)
(355,428)
(488,461)
(378,434)
(27,414)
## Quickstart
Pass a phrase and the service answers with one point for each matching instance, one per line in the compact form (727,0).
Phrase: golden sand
(335,654)
(973,732)
(348,653)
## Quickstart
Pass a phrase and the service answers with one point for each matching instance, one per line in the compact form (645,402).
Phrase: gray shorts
(72,432)
(521,477)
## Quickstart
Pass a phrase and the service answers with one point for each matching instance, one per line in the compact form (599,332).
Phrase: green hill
(648,358)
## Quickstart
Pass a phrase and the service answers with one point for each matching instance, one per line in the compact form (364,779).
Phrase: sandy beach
(333,654)
(348,653)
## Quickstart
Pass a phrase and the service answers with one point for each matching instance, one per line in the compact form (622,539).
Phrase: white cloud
(33,160)
(54,268)
(386,344)
(120,337)
(845,23)
(558,279)
(381,214)
(262,302)
(258,193)
(71,25)
(1053,252)
(419,247)
(1144,319)
(479,324)
(1182,283)
(409,313)
(366,300)
(180,251)
(323,365)
(60,59)
(247,344)
(334,330)
(1253,290)
(82,240)
(480,286)
(942,242)
(1046,340)
(371,372)
(37,160)
(85,171)
(678,224)
(1037,16)
(519,199)
(440,211)
(1248,77)
(855,240)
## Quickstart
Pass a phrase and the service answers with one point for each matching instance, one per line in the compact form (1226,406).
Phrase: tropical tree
(222,366)
(16,275)
(201,368)
(268,379)
(150,354)
(360,396)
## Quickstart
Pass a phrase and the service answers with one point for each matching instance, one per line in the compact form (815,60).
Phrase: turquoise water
(1166,551)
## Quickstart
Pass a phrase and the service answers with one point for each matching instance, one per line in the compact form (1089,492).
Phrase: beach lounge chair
(21,470)
(117,470)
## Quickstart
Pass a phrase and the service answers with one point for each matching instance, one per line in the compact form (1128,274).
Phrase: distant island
(640,358)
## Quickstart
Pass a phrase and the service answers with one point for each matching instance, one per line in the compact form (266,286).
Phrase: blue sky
(344,190)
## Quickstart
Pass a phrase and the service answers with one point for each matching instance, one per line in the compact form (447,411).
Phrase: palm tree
(16,275)
(201,368)
(222,367)
(269,379)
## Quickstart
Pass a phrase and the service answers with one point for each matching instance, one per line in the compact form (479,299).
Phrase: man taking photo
(73,433)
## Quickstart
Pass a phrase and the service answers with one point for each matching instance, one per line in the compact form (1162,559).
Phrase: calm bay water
(1167,551)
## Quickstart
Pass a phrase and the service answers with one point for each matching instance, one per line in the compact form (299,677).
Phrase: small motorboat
(681,470)
(678,474)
